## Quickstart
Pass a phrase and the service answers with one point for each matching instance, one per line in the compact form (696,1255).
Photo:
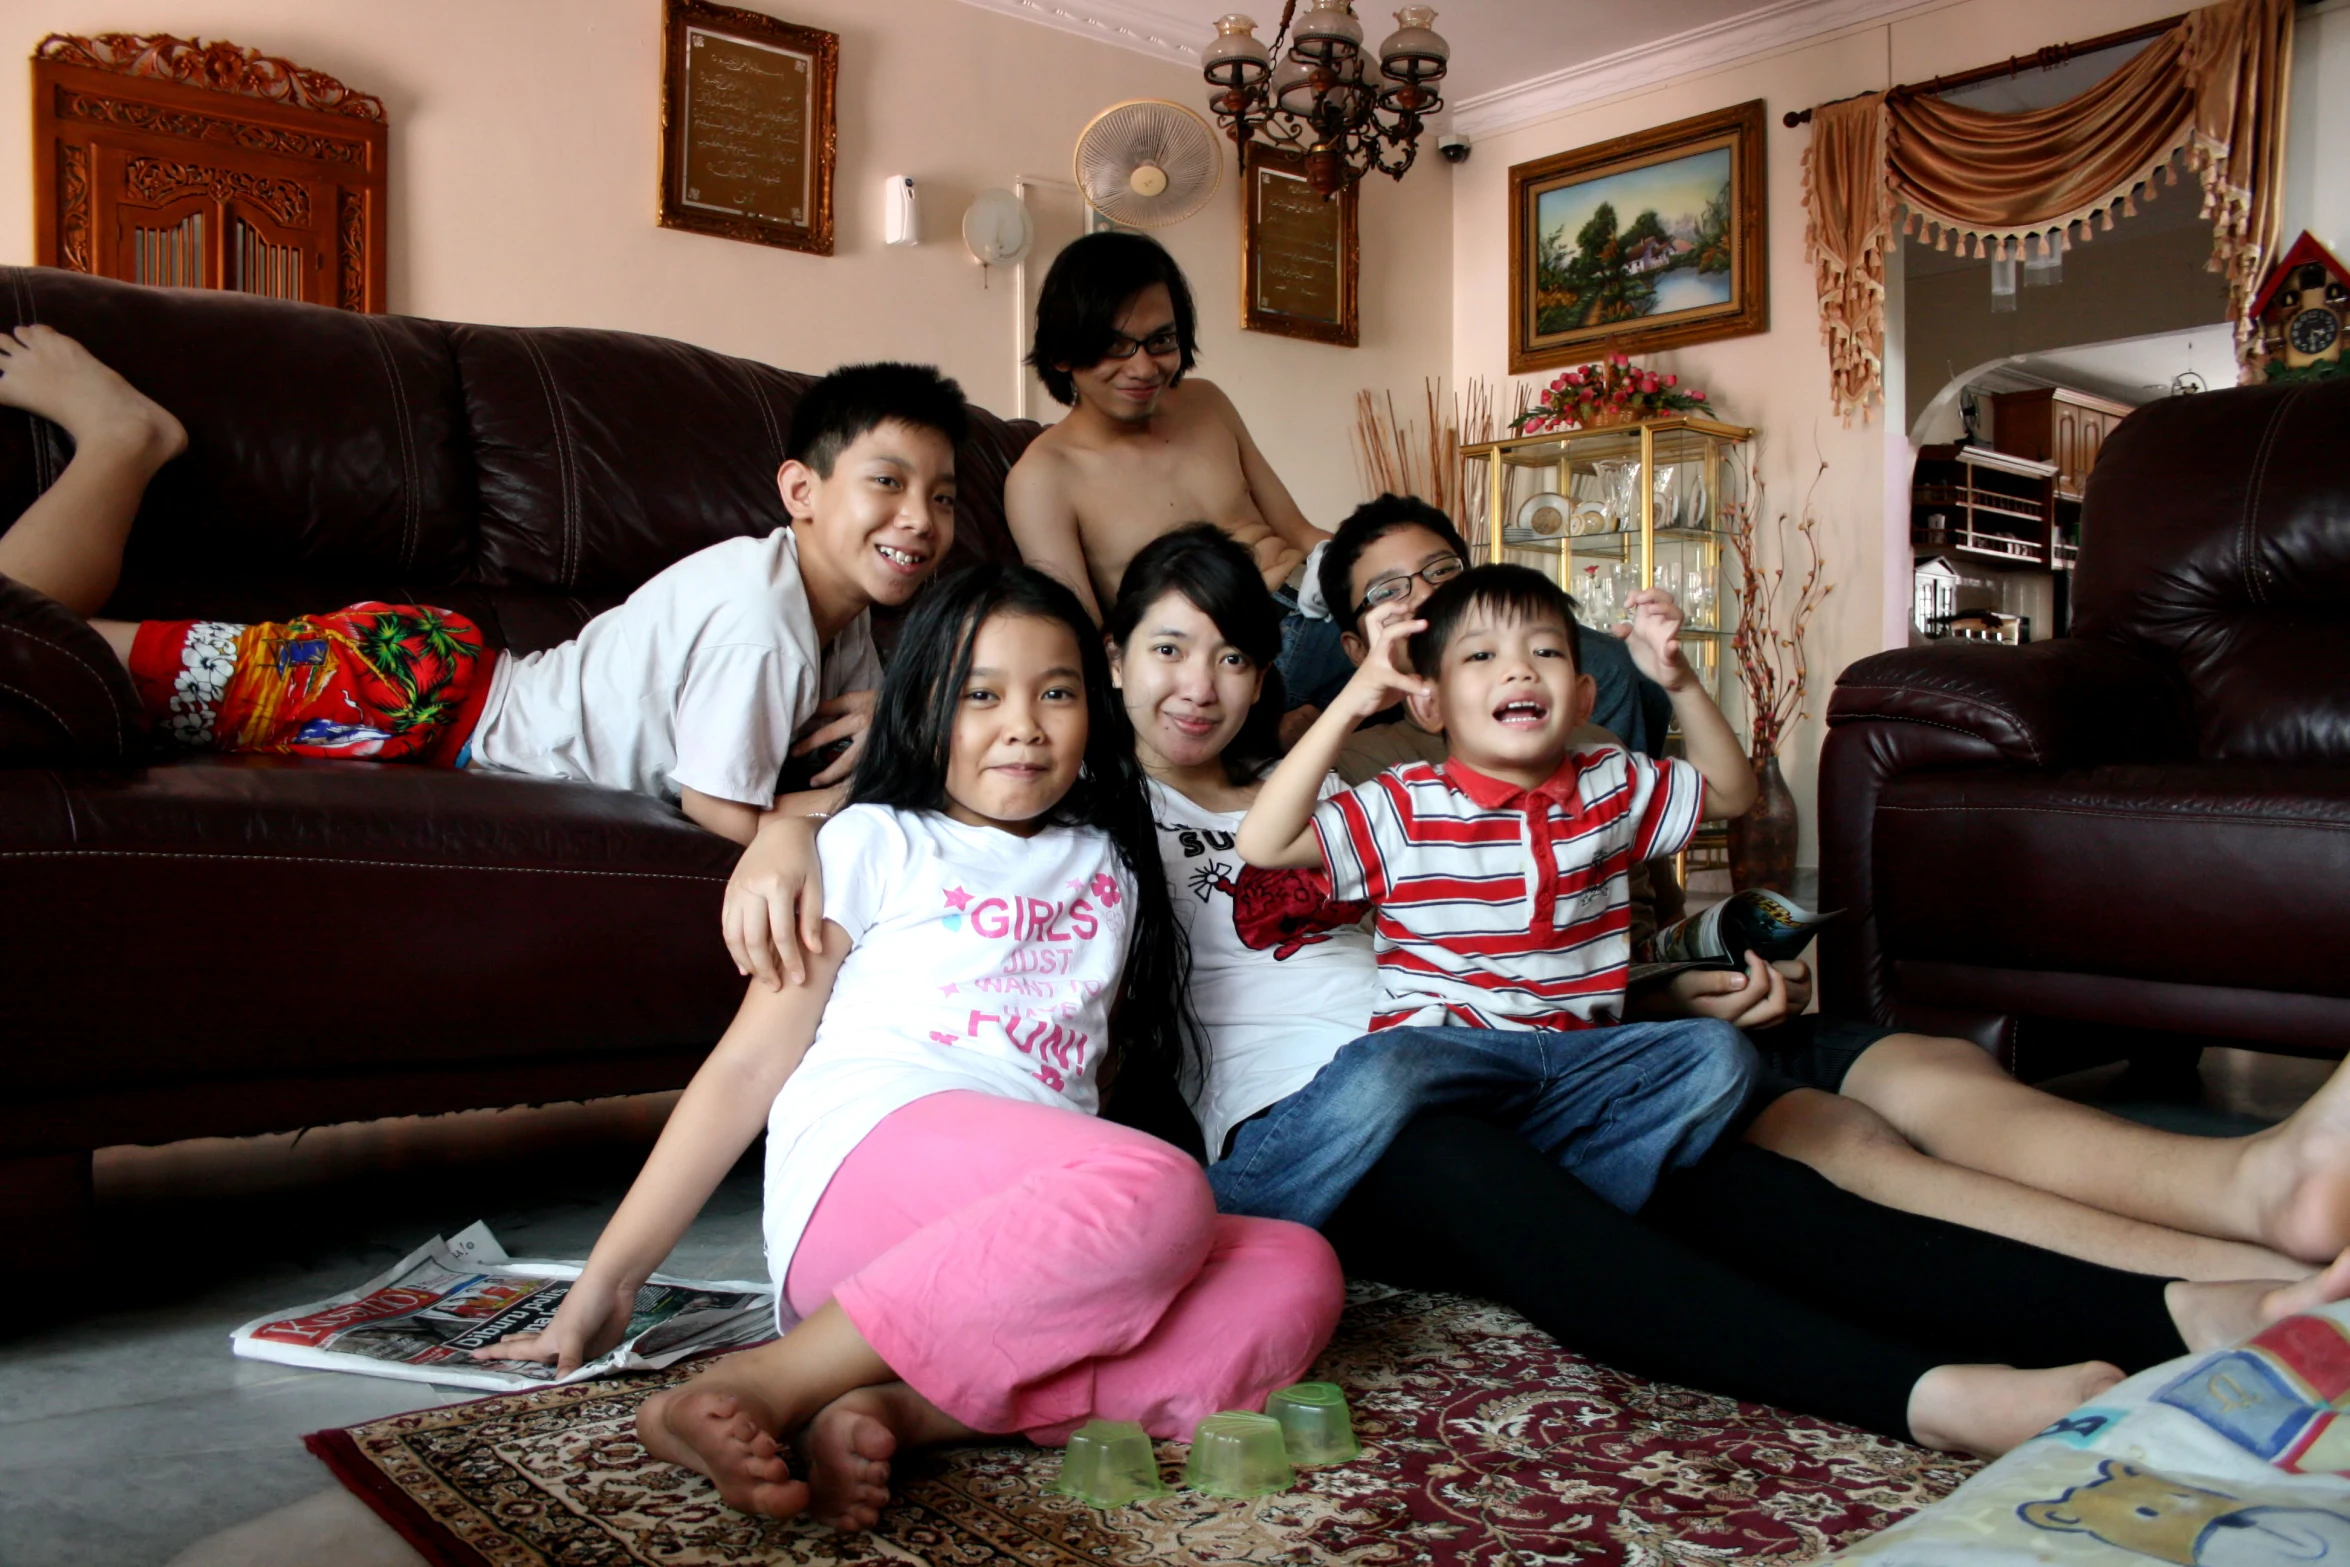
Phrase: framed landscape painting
(1650,241)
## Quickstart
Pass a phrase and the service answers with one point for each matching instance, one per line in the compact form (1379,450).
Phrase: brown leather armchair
(2137,836)
(195,946)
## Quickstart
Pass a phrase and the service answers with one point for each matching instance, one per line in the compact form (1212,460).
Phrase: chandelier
(1322,99)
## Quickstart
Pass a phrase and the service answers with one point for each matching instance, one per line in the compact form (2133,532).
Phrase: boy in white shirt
(694,690)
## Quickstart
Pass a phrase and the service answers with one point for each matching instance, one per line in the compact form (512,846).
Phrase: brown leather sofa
(2136,837)
(200,946)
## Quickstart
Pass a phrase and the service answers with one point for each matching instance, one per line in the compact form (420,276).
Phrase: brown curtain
(1848,209)
(2210,92)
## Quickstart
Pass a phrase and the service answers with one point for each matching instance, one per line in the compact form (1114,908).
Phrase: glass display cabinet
(1605,511)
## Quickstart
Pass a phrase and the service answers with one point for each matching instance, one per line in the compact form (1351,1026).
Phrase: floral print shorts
(382,682)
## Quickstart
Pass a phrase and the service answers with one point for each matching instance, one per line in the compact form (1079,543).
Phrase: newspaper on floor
(1721,936)
(422,1319)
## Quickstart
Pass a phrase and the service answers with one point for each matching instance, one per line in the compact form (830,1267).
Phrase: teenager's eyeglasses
(1388,589)
(1158,343)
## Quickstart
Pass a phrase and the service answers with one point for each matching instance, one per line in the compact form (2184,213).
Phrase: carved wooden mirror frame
(176,162)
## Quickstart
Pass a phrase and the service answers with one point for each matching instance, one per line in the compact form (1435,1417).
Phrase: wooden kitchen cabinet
(2059,425)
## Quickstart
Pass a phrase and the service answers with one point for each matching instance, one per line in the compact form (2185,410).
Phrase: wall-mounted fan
(1147,163)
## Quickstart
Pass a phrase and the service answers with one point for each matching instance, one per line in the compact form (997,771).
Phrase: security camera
(1454,146)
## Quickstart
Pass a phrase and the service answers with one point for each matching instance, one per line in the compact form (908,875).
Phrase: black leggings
(1749,1275)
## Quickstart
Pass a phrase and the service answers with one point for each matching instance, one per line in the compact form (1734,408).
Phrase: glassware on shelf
(1666,492)
(1599,592)
(1619,479)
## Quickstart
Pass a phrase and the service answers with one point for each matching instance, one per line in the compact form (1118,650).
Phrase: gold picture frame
(749,134)
(1300,254)
(1689,265)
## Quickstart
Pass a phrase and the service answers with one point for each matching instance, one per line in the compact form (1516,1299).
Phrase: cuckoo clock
(2303,309)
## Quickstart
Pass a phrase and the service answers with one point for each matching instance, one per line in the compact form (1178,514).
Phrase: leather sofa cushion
(605,456)
(2189,873)
(2217,530)
(380,916)
(321,443)
(64,696)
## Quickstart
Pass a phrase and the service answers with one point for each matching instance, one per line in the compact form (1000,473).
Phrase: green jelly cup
(1109,1463)
(1315,1424)
(1235,1453)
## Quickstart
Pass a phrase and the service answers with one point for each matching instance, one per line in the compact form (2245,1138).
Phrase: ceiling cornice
(1153,30)
(1684,54)
(1127,23)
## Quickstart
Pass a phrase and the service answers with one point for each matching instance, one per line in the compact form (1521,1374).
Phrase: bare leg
(2210,1315)
(1985,1410)
(69,543)
(1863,1153)
(2287,1188)
(728,1421)
(848,1446)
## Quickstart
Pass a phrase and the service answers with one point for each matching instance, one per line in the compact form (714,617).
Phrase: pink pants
(1029,1269)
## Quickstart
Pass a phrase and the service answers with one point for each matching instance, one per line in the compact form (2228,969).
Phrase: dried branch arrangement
(1397,455)
(1774,666)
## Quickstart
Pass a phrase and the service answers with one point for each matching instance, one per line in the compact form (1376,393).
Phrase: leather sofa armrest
(2066,703)
(1952,709)
(64,696)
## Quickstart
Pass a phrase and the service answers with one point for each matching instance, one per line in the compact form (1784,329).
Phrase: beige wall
(523,174)
(1778,381)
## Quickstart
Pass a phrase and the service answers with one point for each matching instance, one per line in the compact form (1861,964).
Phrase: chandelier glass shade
(1326,96)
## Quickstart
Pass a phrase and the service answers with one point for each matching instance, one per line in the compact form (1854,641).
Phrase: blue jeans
(1314,667)
(1615,1107)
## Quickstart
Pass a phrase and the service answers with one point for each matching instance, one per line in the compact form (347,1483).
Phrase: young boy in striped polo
(1498,882)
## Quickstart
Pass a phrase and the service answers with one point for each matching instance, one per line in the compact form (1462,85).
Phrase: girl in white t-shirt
(963,1246)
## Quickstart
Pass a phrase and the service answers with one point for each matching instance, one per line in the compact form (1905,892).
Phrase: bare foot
(45,372)
(2209,1315)
(724,1435)
(848,1447)
(2302,1171)
(1985,1410)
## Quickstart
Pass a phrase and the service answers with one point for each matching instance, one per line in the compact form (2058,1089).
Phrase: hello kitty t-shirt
(981,961)
(1281,977)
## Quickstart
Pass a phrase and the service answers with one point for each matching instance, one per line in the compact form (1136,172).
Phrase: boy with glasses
(1385,560)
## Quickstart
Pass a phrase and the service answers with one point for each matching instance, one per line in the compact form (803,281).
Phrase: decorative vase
(1762,842)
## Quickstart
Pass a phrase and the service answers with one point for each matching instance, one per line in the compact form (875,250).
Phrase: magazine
(421,1319)
(1721,936)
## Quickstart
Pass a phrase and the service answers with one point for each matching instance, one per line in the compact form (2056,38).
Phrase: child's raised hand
(1384,677)
(773,916)
(592,1318)
(1652,629)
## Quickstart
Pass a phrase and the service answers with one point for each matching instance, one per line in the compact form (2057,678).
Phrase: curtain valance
(2210,92)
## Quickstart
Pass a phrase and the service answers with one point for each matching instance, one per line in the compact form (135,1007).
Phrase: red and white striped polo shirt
(1499,907)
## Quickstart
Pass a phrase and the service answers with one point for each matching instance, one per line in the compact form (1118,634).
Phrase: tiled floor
(128,1434)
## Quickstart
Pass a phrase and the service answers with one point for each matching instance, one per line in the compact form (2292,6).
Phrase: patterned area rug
(1484,1444)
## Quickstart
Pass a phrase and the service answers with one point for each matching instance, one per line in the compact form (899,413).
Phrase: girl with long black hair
(963,1245)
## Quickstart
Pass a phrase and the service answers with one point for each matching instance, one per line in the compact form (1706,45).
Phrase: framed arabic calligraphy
(748,133)
(1301,254)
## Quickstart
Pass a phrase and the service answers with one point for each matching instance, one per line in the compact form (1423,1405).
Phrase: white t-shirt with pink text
(980,961)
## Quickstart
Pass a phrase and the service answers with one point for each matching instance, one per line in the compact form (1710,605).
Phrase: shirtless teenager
(1147,448)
